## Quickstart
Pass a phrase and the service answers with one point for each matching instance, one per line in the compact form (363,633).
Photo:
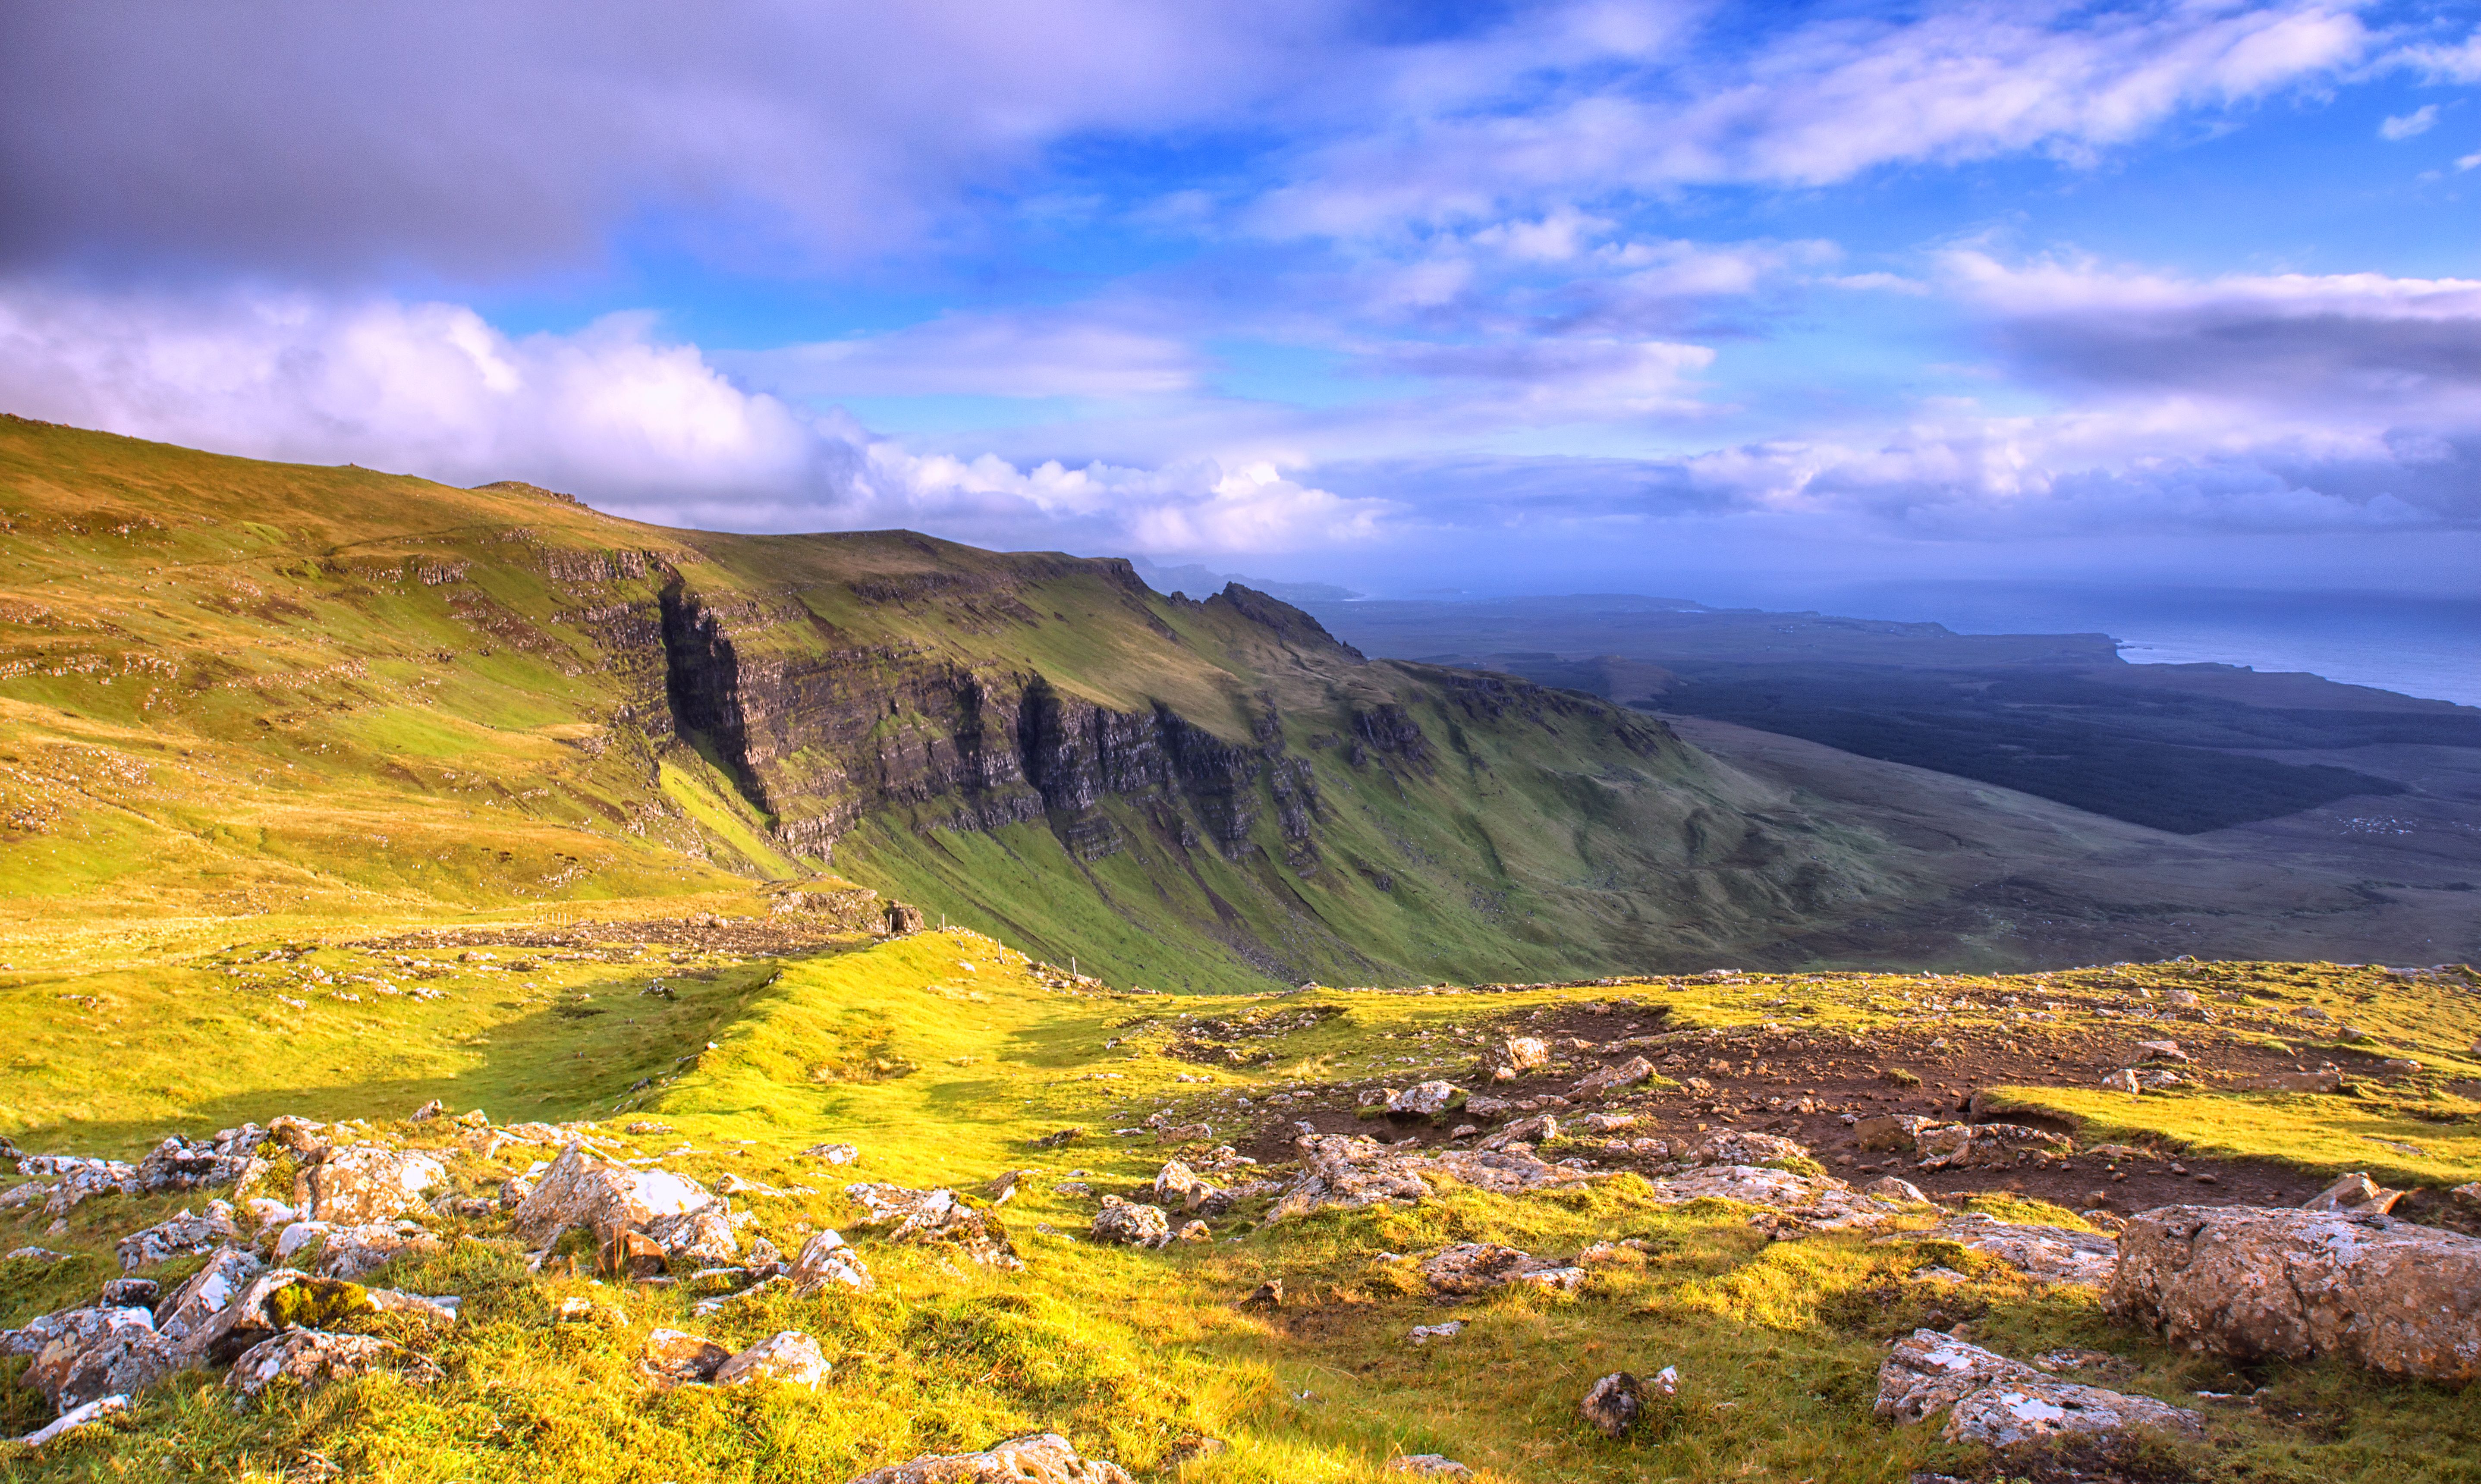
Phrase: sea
(2416,645)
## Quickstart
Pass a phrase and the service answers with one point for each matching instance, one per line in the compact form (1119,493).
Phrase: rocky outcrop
(2046,1254)
(1041,1458)
(825,1262)
(310,1358)
(1478,1267)
(1350,1171)
(786,1358)
(1998,1402)
(2255,1283)
(938,1216)
(367,1183)
(1130,1224)
(582,1192)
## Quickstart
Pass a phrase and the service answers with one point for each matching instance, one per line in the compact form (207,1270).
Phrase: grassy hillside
(235,688)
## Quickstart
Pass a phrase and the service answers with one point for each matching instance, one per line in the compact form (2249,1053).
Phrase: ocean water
(2426,646)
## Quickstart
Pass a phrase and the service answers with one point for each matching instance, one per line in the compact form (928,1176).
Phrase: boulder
(2255,1283)
(700,1236)
(1611,1079)
(1928,1371)
(1425,1099)
(1614,1403)
(177,1236)
(283,1299)
(312,1358)
(2029,1411)
(119,1359)
(1891,1130)
(825,1261)
(81,1326)
(364,1184)
(1040,1458)
(581,1191)
(1511,1057)
(1478,1267)
(787,1357)
(2046,1253)
(1886,1187)
(1130,1224)
(1988,1145)
(672,1358)
(936,1216)
(207,1291)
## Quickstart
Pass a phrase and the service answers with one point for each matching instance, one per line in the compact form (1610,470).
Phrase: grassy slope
(942,1056)
(232,688)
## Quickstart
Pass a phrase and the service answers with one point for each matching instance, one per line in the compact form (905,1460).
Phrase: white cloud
(2404,127)
(1009,354)
(614,414)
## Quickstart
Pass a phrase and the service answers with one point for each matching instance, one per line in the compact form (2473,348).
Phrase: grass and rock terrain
(1668,1174)
(497,992)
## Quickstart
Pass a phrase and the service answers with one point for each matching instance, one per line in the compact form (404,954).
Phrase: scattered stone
(825,1261)
(1041,1458)
(1614,1403)
(698,1236)
(1177,1185)
(936,1216)
(632,1254)
(356,1251)
(1608,1123)
(2355,1192)
(1988,1146)
(578,1309)
(1429,1466)
(787,1356)
(1478,1267)
(198,1164)
(1352,1171)
(847,1154)
(1423,1334)
(1425,1099)
(2163,1051)
(2123,1079)
(1194,1231)
(1131,1224)
(1266,1295)
(1887,1188)
(1732,1146)
(2282,1285)
(312,1357)
(367,1183)
(672,1358)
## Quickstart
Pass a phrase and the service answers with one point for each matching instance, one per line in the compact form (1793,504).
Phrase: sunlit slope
(236,687)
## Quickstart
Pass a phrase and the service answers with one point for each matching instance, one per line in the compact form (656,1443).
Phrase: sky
(1413,297)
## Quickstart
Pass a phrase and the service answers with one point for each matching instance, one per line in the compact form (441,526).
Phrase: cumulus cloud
(630,422)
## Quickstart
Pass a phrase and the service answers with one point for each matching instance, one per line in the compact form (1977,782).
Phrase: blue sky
(1507,298)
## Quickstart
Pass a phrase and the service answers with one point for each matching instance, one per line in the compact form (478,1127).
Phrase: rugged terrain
(1682,1164)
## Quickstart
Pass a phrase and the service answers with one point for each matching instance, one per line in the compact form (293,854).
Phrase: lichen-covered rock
(123,1362)
(286,1298)
(177,1236)
(2049,1254)
(77,1179)
(1130,1224)
(825,1261)
(364,1184)
(787,1356)
(2255,1283)
(94,1414)
(580,1190)
(207,1291)
(1818,1201)
(1511,1057)
(357,1250)
(938,1216)
(1429,1466)
(1349,1171)
(1425,1099)
(1614,1404)
(83,1323)
(311,1358)
(78,1333)
(1040,1458)
(1478,1267)
(131,1293)
(1928,1371)
(1987,1145)
(1903,1192)
(2029,1411)
(700,1236)
(195,1164)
